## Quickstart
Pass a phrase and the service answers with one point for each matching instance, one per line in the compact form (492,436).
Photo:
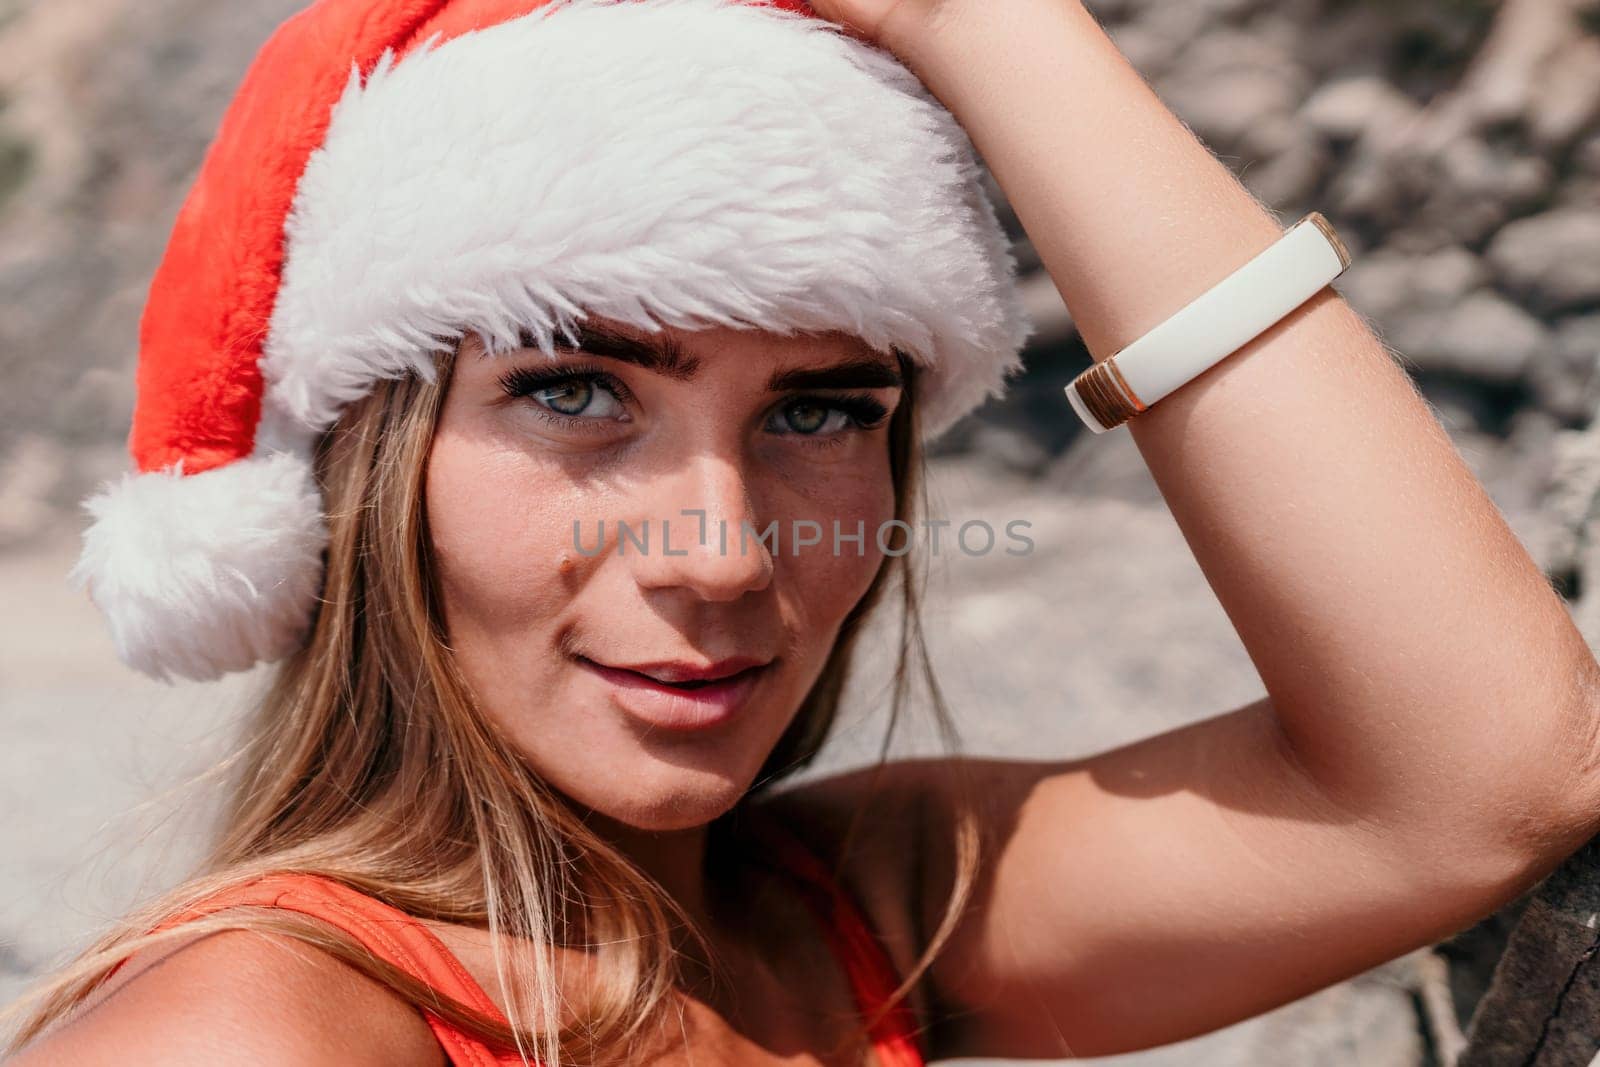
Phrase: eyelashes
(862,410)
(519,382)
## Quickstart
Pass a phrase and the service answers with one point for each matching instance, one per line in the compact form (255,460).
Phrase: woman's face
(765,434)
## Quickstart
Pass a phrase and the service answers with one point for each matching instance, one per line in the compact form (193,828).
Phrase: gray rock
(1566,376)
(1518,472)
(1566,99)
(1543,1004)
(1551,262)
(1232,86)
(1368,188)
(1291,175)
(1347,109)
(1586,155)
(1149,49)
(1387,282)
(1579,191)
(1463,407)
(1477,189)
(1482,336)
(1573,497)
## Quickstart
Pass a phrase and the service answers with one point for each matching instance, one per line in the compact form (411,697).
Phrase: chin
(659,797)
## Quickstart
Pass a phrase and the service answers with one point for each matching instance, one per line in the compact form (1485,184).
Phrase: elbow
(1519,805)
(1555,808)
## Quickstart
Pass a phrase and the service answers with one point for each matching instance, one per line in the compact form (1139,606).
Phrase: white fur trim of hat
(660,162)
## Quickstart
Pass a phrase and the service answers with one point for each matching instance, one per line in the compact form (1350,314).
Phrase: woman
(488,785)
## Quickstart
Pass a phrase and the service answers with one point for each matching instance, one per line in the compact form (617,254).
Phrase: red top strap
(389,933)
(871,972)
(402,940)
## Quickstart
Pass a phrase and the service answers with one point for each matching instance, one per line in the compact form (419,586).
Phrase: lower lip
(671,708)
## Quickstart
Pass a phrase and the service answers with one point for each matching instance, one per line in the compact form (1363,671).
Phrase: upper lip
(674,671)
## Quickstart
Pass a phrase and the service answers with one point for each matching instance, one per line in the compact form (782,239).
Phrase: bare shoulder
(238,996)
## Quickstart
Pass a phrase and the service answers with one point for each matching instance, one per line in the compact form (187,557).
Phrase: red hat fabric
(393,174)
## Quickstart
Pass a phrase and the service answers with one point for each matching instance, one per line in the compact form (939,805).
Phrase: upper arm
(238,996)
(1173,886)
(1153,892)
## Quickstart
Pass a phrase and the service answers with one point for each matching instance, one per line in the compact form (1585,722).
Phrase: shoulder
(239,996)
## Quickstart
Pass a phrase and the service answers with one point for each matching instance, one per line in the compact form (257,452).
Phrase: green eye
(568,399)
(576,395)
(828,416)
(807,418)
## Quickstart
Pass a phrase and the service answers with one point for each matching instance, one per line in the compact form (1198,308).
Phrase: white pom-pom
(202,574)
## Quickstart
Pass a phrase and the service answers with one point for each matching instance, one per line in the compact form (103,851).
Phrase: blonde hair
(368,762)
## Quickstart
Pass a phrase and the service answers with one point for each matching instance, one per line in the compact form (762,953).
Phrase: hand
(893,24)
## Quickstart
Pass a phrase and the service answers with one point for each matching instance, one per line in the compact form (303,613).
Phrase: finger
(834,12)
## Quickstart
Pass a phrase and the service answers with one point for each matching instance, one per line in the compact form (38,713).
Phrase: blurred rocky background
(1455,144)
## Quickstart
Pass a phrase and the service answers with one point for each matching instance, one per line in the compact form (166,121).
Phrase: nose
(703,532)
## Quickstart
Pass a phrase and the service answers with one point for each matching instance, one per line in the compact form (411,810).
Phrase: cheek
(829,576)
(495,519)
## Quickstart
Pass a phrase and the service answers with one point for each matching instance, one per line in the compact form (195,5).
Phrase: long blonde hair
(367,762)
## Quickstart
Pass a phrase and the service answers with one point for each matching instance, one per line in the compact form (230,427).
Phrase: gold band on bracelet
(1317,219)
(1107,394)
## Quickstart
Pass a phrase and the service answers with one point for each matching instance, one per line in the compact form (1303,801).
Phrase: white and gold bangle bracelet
(1215,324)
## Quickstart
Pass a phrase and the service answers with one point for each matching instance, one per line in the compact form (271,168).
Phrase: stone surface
(1551,261)
(1542,1006)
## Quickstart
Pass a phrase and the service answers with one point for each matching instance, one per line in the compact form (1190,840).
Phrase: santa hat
(393,174)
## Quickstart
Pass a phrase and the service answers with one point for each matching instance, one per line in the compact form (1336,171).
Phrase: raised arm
(1428,747)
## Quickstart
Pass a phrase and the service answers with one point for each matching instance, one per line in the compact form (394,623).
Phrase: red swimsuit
(407,943)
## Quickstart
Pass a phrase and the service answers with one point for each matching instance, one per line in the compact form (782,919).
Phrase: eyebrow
(858,373)
(666,356)
(663,355)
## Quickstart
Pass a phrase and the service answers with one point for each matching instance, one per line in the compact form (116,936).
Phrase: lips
(675,696)
(679,673)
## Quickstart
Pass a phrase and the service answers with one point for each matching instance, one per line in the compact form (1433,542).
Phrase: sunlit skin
(509,474)
(1427,748)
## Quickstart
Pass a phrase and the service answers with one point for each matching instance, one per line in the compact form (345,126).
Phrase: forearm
(1419,664)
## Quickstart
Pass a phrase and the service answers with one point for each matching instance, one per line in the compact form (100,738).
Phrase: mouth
(679,698)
